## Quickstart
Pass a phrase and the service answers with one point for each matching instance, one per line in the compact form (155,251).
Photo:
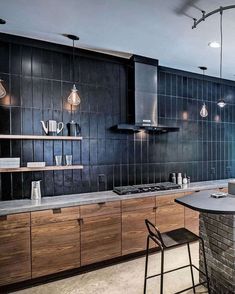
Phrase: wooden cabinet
(15,259)
(169,215)
(191,217)
(100,232)
(134,231)
(55,241)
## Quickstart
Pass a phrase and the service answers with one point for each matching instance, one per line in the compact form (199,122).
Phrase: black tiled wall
(38,78)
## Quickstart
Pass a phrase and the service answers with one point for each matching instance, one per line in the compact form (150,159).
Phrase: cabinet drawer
(100,238)
(54,215)
(15,257)
(101,208)
(55,248)
(170,217)
(167,199)
(140,203)
(14,221)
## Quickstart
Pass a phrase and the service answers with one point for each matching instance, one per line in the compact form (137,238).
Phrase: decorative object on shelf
(52,128)
(73,128)
(58,160)
(10,162)
(221,103)
(36,190)
(68,160)
(3,92)
(74,98)
(203,111)
(36,164)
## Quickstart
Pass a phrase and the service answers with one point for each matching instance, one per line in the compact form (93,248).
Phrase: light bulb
(2,90)
(221,103)
(204,112)
(74,98)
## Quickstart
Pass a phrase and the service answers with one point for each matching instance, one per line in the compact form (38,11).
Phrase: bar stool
(169,240)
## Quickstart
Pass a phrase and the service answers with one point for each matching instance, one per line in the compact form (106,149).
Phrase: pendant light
(221,103)
(3,92)
(203,111)
(74,98)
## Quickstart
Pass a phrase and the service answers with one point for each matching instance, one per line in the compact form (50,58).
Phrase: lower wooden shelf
(45,168)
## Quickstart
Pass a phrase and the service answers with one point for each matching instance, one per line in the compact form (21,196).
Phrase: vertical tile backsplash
(38,80)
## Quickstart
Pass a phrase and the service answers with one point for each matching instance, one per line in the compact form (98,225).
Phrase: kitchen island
(217,229)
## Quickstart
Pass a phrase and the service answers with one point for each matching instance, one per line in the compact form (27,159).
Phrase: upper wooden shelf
(39,137)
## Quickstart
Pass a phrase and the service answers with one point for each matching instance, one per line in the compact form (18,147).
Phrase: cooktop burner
(124,190)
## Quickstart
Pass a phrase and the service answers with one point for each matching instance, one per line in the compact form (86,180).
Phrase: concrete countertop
(203,202)
(26,205)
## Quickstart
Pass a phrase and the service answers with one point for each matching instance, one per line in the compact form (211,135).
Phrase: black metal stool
(170,240)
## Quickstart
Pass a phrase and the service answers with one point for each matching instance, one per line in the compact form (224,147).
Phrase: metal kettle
(52,128)
(73,128)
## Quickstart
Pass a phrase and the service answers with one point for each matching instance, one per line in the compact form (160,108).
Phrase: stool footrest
(176,269)
(189,288)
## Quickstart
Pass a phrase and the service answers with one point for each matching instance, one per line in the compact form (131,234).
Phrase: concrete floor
(127,277)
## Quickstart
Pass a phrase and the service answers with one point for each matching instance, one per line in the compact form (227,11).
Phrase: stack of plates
(10,162)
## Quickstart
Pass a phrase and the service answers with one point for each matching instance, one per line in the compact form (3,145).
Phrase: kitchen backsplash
(38,78)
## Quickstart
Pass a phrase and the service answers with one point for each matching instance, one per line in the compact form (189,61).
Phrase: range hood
(142,106)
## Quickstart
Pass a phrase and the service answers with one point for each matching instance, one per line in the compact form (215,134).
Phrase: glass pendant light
(203,111)
(221,103)
(74,98)
(3,92)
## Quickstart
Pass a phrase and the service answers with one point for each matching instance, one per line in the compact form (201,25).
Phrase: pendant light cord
(73,65)
(221,43)
(73,76)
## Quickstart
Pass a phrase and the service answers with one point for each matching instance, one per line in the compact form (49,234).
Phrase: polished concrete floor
(127,277)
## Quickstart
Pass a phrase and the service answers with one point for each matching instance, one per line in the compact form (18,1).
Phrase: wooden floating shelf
(45,168)
(39,137)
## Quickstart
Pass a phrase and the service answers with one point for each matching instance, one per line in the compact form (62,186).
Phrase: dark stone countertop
(203,202)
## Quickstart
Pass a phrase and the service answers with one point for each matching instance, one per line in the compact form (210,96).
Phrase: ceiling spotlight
(214,44)
(2,21)
(221,103)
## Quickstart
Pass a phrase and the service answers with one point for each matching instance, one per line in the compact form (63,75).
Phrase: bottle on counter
(188,178)
(173,178)
(179,179)
(185,181)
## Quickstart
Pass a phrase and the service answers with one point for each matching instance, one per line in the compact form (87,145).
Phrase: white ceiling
(150,28)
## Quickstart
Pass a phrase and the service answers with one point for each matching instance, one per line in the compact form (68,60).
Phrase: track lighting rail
(206,15)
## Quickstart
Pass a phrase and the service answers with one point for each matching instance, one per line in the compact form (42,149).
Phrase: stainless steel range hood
(142,108)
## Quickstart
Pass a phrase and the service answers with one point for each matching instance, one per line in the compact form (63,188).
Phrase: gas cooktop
(124,190)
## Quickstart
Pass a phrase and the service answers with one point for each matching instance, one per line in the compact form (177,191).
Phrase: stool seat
(178,237)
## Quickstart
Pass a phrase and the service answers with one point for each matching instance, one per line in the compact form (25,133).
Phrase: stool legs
(205,265)
(146,265)
(191,267)
(162,270)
